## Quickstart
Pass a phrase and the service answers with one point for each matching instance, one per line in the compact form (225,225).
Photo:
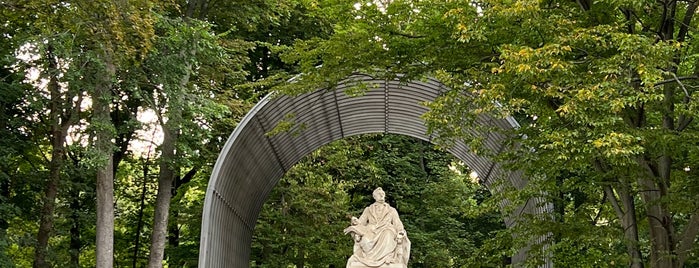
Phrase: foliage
(605,91)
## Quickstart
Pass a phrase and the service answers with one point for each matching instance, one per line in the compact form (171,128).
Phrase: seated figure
(379,237)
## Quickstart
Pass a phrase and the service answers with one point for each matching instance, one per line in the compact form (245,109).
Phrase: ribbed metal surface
(252,161)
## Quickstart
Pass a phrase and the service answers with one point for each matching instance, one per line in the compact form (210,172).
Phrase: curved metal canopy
(252,161)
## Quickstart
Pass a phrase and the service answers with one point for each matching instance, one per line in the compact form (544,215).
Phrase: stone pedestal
(392,265)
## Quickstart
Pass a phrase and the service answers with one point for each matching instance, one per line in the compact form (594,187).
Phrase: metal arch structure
(252,161)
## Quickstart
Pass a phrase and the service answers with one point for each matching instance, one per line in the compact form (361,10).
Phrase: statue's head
(379,195)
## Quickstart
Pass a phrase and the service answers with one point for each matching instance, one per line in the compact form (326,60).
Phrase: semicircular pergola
(252,161)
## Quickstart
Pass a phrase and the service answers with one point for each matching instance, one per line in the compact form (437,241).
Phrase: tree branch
(613,200)
(189,175)
(628,15)
(671,80)
(609,192)
(585,5)
(674,76)
(684,27)
(684,122)
(644,163)
(72,115)
(666,29)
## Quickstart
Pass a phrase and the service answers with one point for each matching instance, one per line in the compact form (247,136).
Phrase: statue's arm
(364,218)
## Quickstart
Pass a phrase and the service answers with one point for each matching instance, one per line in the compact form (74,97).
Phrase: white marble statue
(379,237)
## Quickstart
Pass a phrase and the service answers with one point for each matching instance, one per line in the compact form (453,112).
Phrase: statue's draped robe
(379,226)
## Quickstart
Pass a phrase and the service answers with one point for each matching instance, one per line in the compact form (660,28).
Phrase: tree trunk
(659,222)
(139,224)
(654,186)
(58,137)
(687,238)
(300,259)
(75,241)
(627,215)
(122,116)
(168,168)
(104,247)
(5,195)
(631,228)
(173,238)
(4,183)
(162,201)
(655,183)
(190,8)
(174,229)
(559,208)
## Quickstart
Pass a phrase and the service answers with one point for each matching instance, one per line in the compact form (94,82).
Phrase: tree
(186,57)
(123,29)
(604,91)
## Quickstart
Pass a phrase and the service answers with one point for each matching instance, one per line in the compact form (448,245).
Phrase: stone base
(392,265)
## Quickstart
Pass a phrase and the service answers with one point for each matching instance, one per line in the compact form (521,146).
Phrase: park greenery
(604,92)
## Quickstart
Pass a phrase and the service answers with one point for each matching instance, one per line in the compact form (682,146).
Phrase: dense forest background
(113,113)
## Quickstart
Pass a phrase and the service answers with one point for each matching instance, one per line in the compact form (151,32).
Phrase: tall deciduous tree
(61,119)
(188,53)
(123,30)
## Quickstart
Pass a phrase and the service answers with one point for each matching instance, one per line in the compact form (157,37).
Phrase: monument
(380,241)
